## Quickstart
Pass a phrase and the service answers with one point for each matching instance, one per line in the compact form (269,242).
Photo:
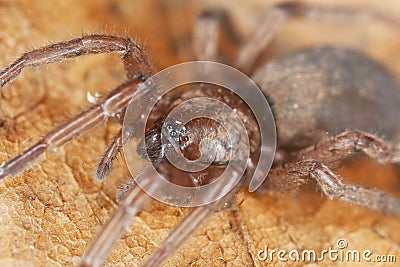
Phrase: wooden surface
(49,213)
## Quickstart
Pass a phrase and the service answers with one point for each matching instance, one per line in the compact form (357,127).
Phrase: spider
(307,158)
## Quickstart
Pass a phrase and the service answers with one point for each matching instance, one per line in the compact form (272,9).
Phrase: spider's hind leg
(336,149)
(314,165)
(296,174)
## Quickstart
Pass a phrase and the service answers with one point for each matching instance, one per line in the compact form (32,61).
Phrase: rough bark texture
(49,213)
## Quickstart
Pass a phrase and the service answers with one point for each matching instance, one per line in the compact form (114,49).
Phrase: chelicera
(312,92)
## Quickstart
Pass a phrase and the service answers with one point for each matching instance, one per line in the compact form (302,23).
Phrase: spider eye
(171,131)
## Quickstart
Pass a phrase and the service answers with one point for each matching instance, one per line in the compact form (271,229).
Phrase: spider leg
(133,201)
(315,162)
(135,58)
(293,175)
(205,36)
(207,32)
(191,223)
(181,233)
(272,21)
(110,105)
(104,167)
(136,62)
(212,29)
(335,149)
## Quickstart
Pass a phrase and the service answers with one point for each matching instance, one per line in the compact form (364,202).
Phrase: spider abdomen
(329,90)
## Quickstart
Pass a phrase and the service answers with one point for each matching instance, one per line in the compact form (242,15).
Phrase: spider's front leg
(135,58)
(314,165)
(111,104)
(137,67)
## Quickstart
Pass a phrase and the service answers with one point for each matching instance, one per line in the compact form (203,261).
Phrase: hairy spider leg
(92,116)
(314,165)
(137,67)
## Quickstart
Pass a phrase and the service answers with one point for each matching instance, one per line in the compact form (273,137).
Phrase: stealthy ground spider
(312,92)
